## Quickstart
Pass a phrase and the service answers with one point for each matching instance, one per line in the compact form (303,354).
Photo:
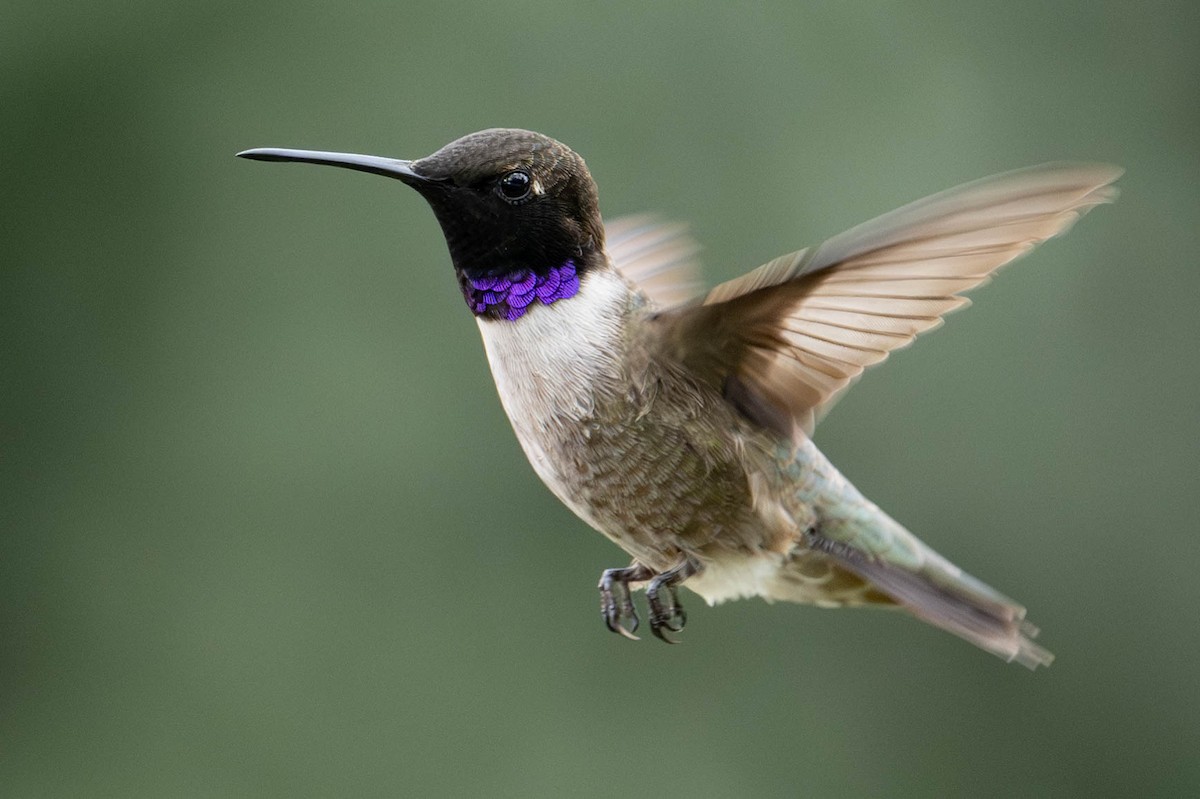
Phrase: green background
(266,531)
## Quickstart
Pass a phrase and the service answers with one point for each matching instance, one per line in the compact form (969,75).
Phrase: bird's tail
(943,595)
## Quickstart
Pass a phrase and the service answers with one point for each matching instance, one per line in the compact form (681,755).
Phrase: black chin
(483,245)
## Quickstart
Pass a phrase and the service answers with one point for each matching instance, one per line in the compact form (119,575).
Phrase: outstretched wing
(657,257)
(785,340)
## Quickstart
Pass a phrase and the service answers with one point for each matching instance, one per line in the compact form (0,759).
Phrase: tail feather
(944,596)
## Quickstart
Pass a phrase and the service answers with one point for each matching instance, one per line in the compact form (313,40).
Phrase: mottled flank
(509,296)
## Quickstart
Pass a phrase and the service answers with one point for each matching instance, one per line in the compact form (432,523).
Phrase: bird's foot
(668,615)
(616,606)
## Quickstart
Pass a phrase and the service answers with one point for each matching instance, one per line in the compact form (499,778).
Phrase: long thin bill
(376,165)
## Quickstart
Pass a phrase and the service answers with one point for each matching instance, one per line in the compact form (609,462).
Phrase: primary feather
(792,334)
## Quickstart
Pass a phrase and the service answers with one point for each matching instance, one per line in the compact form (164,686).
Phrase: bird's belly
(736,575)
(657,488)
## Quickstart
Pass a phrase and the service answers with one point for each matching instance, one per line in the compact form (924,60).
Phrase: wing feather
(659,258)
(791,336)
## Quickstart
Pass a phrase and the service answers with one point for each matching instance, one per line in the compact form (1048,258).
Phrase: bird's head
(508,200)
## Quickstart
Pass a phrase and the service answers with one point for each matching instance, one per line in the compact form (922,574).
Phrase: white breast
(548,365)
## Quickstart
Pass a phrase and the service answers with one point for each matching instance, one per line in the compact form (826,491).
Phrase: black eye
(515,185)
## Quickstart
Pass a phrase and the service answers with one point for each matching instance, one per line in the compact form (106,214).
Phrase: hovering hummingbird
(679,424)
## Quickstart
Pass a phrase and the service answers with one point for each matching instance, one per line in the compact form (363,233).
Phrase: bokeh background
(264,529)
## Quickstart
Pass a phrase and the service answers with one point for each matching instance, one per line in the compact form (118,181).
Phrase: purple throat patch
(510,296)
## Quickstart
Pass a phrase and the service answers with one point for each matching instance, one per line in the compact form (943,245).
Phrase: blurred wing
(657,257)
(785,340)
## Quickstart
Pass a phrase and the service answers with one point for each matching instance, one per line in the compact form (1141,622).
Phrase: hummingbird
(679,423)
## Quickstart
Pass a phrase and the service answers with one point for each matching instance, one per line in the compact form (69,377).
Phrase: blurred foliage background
(265,529)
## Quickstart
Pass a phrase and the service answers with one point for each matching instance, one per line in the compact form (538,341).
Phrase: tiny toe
(661,634)
(614,623)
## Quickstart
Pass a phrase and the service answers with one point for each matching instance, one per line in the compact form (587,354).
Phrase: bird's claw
(622,630)
(665,616)
(616,605)
(617,612)
(662,593)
